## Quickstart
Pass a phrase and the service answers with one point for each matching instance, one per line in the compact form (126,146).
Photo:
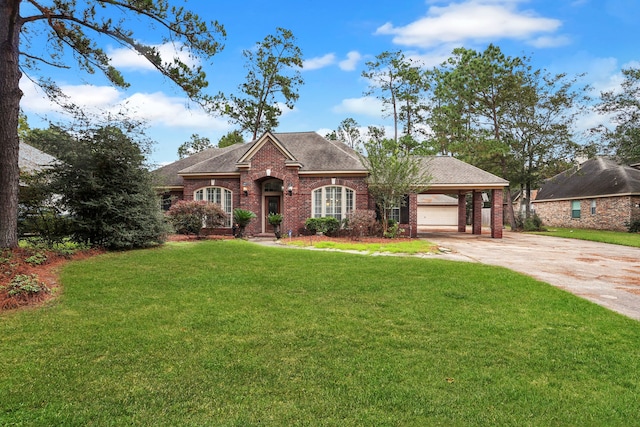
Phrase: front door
(272,204)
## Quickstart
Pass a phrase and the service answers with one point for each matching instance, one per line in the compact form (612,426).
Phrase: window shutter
(404,210)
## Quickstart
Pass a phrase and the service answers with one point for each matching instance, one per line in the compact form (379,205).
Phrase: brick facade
(611,213)
(267,175)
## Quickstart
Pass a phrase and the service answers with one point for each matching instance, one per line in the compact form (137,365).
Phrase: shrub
(361,223)
(275,218)
(533,223)
(634,226)
(393,230)
(25,285)
(326,225)
(36,259)
(190,216)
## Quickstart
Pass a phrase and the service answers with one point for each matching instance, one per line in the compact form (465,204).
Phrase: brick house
(597,194)
(303,175)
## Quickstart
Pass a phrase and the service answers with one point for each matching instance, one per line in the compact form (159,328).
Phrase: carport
(450,176)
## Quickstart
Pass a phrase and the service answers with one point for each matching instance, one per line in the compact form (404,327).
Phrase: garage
(437,210)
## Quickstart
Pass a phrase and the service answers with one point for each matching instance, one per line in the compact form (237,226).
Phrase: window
(593,207)
(218,195)
(401,214)
(334,201)
(575,209)
(394,214)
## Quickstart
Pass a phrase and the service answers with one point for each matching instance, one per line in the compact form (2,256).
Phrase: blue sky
(596,37)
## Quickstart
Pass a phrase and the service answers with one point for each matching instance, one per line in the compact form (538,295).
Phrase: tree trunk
(10,95)
(510,210)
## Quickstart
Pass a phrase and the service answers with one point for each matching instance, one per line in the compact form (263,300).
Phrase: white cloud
(87,96)
(319,62)
(349,64)
(472,19)
(550,41)
(156,109)
(366,106)
(159,109)
(129,59)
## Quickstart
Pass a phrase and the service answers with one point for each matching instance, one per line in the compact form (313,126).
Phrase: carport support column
(462,212)
(477,212)
(496,213)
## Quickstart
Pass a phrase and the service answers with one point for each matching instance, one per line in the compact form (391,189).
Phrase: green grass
(404,246)
(229,333)
(603,236)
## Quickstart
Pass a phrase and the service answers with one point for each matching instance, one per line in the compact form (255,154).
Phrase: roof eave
(599,196)
(195,175)
(335,173)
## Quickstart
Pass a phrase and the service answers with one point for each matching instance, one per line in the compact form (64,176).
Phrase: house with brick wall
(303,175)
(597,194)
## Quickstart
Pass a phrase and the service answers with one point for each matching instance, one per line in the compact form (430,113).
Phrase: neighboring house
(519,200)
(598,194)
(303,175)
(32,160)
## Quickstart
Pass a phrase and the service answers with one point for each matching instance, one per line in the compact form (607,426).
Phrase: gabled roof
(31,159)
(597,177)
(168,175)
(449,173)
(313,154)
(309,151)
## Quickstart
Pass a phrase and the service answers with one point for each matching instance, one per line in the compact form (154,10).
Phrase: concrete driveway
(608,275)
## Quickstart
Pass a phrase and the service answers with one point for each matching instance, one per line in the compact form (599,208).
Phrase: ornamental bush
(361,223)
(242,218)
(191,216)
(327,225)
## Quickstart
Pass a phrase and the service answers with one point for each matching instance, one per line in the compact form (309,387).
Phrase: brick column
(462,212)
(413,215)
(497,201)
(477,212)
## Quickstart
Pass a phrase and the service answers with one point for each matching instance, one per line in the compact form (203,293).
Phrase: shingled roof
(315,154)
(449,173)
(31,159)
(308,149)
(597,177)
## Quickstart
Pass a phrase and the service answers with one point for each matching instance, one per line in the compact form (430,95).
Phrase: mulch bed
(22,261)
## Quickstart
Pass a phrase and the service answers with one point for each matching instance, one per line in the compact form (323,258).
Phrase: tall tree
(477,91)
(348,132)
(68,25)
(274,76)
(399,84)
(195,145)
(624,107)
(541,128)
(231,138)
(499,114)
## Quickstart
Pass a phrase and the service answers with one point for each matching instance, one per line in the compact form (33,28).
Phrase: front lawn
(603,236)
(230,333)
(369,245)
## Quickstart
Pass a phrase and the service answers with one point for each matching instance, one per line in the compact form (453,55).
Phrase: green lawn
(230,333)
(397,246)
(603,236)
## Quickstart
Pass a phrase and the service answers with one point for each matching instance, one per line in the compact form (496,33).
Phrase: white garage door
(437,215)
